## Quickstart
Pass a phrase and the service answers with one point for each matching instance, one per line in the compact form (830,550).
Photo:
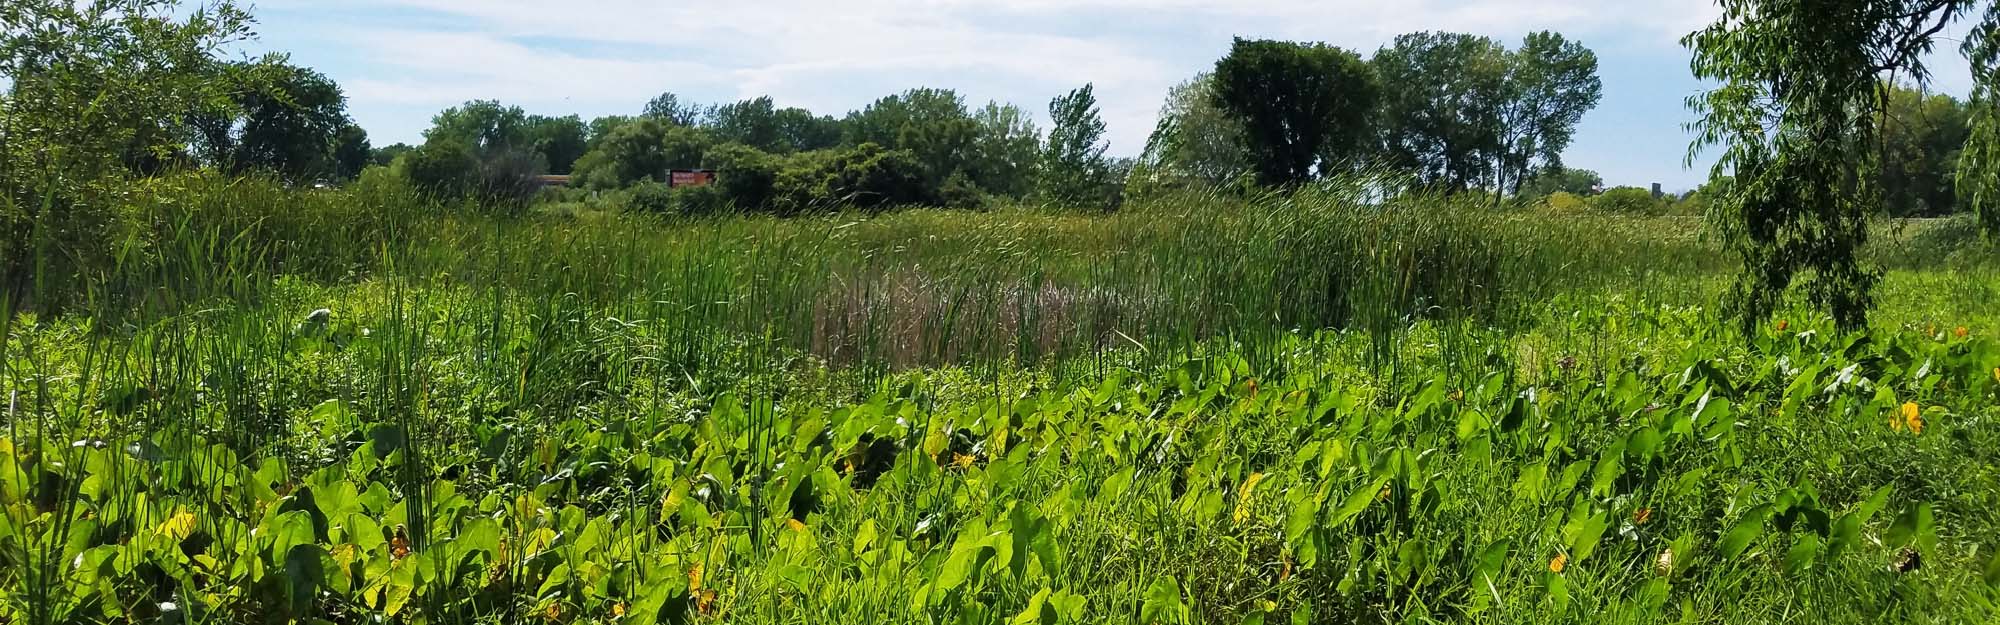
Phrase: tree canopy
(1302,106)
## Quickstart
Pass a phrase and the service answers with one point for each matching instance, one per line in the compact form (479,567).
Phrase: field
(352,406)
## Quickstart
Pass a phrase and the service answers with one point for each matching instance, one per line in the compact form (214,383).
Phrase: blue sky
(401,61)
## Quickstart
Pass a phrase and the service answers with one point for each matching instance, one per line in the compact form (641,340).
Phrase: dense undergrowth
(349,405)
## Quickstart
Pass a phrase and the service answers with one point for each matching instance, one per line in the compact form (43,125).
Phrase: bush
(701,201)
(650,197)
(1628,200)
(864,176)
(960,192)
(1565,202)
(443,169)
(745,175)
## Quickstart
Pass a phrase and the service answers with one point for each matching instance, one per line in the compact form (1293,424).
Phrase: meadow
(355,405)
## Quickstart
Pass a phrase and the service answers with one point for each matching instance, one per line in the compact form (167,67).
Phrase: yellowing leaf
(795,525)
(1243,497)
(179,525)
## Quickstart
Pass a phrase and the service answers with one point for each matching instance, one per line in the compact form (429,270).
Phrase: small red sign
(690,177)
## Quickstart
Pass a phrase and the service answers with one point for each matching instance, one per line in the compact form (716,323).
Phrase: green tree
(931,124)
(1301,105)
(486,126)
(1074,169)
(278,118)
(560,141)
(1921,138)
(799,130)
(1006,150)
(1442,95)
(92,88)
(669,108)
(599,128)
(1795,113)
(643,149)
(1196,139)
(387,154)
(1551,180)
(1550,84)
(351,152)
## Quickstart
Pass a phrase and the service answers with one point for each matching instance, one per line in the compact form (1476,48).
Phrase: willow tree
(1802,83)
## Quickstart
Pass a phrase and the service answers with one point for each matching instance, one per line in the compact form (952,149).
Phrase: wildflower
(1664,565)
(1642,515)
(399,546)
(1961,332)
(1458,395)
(618,610)
(1912,418)
(553,613)
(1556,565)
(1783,325)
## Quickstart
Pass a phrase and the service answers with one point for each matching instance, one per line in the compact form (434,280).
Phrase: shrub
(650,197)
(701,201)
(864,176)
(1629,200)
(1565,202)
(960,192)
(745,175)
(443,169)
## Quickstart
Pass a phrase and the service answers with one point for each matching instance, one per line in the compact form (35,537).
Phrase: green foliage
(642,149)
(1196,139)
(1074,170)
(1629,201)
(1007,153)
(669,109)
(864,176)
(931,124)
(351,152)
(1796,113)
(744,175)
(95,96)
(559,140)
(1918,148)
(444,169)
(279,118)
(1441,104)
(1304,108)
(1550,84)
(1552,180)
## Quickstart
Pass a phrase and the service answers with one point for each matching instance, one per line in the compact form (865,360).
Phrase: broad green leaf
(1746,530)
(1163,602)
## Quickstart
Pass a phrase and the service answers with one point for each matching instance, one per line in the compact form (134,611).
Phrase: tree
(1195,138)
(444,168)
(643,149)
(278,118)
(1006,150)
(1442,98)
(601,127)
(486,126)
(386,155)
(92,89)
(1921,138)
(558,140)
(1795,112)
(931,124)
(1550,84)
(1073,166)
(1301,105)
(351,152)
(669,108)
(1552,180)
(799,130)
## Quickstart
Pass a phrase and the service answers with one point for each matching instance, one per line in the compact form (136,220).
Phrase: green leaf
(305,573)
(1163,602)
(1357,501)
(1914,527)
(1583,533)
(1992,574)
(1805,547)
(1746,530)
(288,530)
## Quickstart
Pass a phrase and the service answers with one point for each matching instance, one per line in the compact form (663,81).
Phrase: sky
(402,61)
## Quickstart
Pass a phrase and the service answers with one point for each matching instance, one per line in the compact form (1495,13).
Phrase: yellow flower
(618,609)
(1556,565)
(1913,418)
